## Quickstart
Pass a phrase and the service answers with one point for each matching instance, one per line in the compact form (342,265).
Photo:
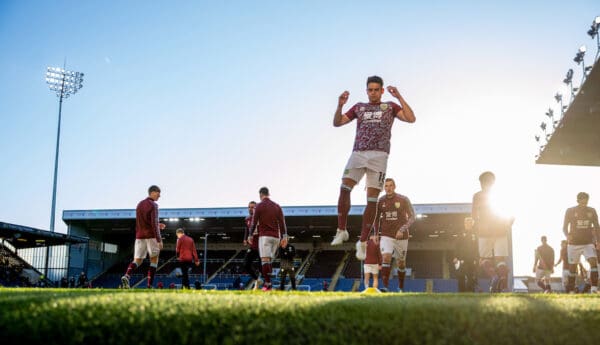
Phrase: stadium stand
(324,264)
(13,270)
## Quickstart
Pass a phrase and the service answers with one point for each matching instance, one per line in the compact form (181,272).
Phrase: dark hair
(375,79)
(153,188)
(487,176)
(252,202)
(583,196)
(263,191)
(389,179)
(180,231)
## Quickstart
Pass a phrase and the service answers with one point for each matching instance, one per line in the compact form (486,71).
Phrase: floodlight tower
(593,32)
(64,83)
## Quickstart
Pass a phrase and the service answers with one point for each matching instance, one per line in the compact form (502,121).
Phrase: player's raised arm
(338,118)
(405,114)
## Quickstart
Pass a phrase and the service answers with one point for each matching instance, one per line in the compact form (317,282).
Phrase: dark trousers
(185,277)
(287,268)
(467,276)
(251,257)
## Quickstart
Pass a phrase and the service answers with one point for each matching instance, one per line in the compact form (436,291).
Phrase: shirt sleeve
(566,224)
(475,208)
(378,216)
(154,222)
(246,229)
(281,221)
(410,215)
(254,220)
(595,220)
(194,252)
(594,226)
(178,247)
(396,108)
(351,113)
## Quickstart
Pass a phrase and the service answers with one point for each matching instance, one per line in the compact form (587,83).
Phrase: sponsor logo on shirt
(583,224)
(372,116)
(391,215)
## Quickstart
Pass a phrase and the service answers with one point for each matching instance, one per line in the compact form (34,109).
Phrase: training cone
(371,290)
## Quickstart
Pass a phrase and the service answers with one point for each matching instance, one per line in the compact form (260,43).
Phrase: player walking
(543,265)
(580,227)
(272,233)
(396,215)
(252,254)
(147,236)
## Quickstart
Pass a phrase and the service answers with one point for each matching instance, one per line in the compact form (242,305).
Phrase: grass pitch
(68,316)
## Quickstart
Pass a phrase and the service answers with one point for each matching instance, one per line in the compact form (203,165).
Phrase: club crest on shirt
(362,109)
(397,204)
(383,106)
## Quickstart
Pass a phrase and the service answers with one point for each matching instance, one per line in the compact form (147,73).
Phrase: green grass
(63,316)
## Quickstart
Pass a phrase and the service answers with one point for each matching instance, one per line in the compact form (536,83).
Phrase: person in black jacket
(286,256)
(466,258)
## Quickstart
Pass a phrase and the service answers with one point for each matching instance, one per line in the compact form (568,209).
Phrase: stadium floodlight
(593,32)
(580,54)
(550,114)
(587,70)
(569,77)
(64,83)
(569,81)
(579,58)
(558,97)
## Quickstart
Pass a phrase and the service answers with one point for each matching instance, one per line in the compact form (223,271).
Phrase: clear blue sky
(211,101)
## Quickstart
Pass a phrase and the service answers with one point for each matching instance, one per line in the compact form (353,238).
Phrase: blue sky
(211,101)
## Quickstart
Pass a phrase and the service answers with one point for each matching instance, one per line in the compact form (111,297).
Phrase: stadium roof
(576,140)
(236,212)
(305,223)
(20,236)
